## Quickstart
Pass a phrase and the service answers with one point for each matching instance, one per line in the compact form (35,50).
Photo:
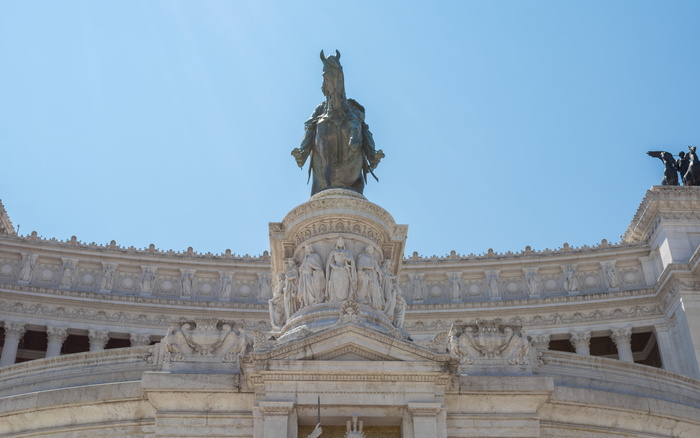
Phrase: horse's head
(333,79)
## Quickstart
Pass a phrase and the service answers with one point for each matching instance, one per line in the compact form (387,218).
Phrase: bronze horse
(336,137)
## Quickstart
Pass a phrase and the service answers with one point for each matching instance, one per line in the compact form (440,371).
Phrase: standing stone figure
(264,287)
(399,309)
(456,286)
(226,285)
(389,288)
(493,286)
(107,280)
(369,289)
(533,283)
(571,279)
(186,283)
(148,276)
(336,137)
(27,267)
(291,287)
(276,304)
(340,274)
(610,276)
(311,278)
(67,278)
(417,286)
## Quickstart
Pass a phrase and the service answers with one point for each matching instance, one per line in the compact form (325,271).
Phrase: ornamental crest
(203,341)
(488,344)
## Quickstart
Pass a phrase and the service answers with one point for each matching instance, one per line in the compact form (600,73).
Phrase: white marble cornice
(659,200)
(108,300)
(131,256)
(603,249)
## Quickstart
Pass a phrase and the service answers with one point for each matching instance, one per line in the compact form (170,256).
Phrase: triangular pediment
(351,342)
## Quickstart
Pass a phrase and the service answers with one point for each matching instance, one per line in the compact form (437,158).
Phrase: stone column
(622,337)
(425,416)
(139,340)
(13,334)
(98,339)
(276,422)
(56,336)
(581,342)
(540,341)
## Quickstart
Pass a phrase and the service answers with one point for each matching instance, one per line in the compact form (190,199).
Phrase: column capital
(621,335)
(56,334)
(424,409)
(15,328)
(98,338)
(271,408)
(139,340)
(580,338)
(540,341)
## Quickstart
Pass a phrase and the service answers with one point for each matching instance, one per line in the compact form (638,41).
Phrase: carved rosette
(489,347)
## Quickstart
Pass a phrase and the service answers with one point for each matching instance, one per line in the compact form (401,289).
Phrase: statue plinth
(334,249)
(314,319)
(334,213)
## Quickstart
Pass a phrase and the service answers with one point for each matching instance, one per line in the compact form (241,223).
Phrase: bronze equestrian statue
(337,138)
(688,165)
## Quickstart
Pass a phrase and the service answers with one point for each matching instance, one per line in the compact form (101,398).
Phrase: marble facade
(600,341)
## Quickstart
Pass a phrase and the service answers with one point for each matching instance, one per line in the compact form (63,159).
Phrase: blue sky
(504,123)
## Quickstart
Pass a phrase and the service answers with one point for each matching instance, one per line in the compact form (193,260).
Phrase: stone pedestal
(331,214)
(425,418)
(199,405)
(497,406)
